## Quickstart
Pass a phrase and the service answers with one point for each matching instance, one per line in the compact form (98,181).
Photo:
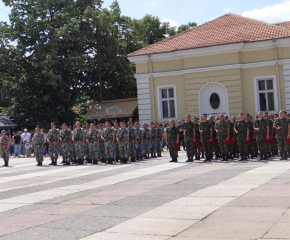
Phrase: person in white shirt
(26,140)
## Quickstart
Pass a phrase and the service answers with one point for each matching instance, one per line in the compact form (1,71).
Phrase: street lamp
(91,21)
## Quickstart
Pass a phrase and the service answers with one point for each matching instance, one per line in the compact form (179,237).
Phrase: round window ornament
(214,101)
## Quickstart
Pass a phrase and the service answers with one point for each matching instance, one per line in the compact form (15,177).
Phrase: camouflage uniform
(261,135)
(78,135)
(269,145)
(122,135)
(282,135)
(53,136)
(86,153)
(205,136)
(37,144)
(242,126)
(132,149)
(117,147)
(231,146)
(102,148)
(4,151)
(159,133)
(146,139)
(251,132)
(73,152)
(214,148)
(65,143)
(108,135)
(188,139)
(139,133)
(172,134)
(92,136)
(197,149)
(223,127)
(153,149)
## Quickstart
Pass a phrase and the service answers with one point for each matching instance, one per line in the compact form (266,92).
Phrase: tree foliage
(49,56)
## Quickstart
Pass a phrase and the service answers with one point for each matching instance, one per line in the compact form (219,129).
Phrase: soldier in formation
(38,146)
(244,137)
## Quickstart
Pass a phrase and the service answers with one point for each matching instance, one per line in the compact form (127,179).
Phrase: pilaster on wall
(144,102)
(286,68)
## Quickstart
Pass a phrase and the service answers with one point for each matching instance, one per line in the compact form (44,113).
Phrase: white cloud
(279,12)
(227,10)
(151,3)
(211,18)
(172,22)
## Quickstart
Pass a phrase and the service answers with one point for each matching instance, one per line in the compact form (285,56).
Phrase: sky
(184,11)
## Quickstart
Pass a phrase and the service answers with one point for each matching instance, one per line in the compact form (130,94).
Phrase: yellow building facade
(229,78)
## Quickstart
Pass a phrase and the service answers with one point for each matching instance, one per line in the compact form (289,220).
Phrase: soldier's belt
(65,141)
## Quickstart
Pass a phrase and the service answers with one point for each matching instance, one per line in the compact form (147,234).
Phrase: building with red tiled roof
(283,24)
(229,65)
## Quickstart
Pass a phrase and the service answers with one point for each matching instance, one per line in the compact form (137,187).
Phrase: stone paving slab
(164,227)
(149,200)
(123,236)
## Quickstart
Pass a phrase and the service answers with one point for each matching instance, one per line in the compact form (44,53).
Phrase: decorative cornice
(216,68)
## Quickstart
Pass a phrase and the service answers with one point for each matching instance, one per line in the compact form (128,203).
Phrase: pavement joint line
(32,198)
(121,228)
(65,178)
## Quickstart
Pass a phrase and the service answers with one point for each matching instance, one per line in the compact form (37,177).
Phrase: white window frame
(256,89)
(159,99)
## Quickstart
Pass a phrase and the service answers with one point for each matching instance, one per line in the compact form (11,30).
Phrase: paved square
(148,200)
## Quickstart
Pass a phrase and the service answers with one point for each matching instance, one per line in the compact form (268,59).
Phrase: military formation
(243,138)
(205,139)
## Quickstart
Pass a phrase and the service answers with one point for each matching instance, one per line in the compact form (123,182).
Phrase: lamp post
(91,21)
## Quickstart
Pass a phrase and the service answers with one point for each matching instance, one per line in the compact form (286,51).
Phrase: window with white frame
(266,94)
(167,102)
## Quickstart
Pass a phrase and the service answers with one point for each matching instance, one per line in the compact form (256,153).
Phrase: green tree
(48,58)
(185,27)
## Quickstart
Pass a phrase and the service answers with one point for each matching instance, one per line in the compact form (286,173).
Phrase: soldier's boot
(265,156)
(154,155)
(273,154)
(125,160)
(140,158)
(261,157)
(202,155)
(172,160)
(242,158)
(285,156)
(289,154)
(63,161)
(175,159)
(133,159)
(146,156)
(52,162)
(227,157)
(223,158)
(269,155)
(205,159)
(6,163)
(55,162)
(282,157)
(67,162)
(151,155)
(80,161)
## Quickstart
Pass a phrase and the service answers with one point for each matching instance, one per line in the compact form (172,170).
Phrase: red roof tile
(283,24)
(229,28)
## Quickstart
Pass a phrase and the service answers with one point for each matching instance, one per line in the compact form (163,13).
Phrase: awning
(112,109)
(6,123)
